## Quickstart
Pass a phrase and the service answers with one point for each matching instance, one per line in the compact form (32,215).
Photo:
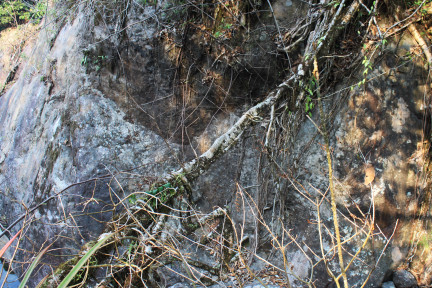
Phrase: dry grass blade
(3,250)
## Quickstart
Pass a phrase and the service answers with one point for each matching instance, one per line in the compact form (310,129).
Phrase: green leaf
(132,246)
(83,260)
(132,198)
(32,267)
(159,189)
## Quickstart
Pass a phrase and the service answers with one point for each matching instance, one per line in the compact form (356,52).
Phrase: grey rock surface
(404,279)
(92,102)
(388,284)
(180,285)
(57,130)
(258,285)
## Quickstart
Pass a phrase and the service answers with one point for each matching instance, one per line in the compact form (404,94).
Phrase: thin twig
(330,177)
(49,199)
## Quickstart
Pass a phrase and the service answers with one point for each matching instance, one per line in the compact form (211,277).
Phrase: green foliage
(426,240)
(132,247)
(335,4)
(81,275)
(147,2)
(173,11)
(38,11)
(367,66)
(90,60)
(222,29)
(159,189)
(415,3)
(14,12)
(320,40)
(217,34)
(162,194)
(75,270)
(32,267)
(309,105)
(84,60)
(132,199)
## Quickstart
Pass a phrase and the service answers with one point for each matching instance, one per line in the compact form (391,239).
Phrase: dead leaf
(369,174)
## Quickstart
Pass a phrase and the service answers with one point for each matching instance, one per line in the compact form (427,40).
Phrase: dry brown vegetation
(158,228)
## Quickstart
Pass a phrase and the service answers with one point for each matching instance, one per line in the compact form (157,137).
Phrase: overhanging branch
(196,167)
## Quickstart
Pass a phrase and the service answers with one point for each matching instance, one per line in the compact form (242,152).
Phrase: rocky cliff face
(113,96)
(59,130)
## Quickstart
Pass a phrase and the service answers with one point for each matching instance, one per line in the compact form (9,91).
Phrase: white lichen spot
(399,116)
(412,206)
(148,250)
(396,255)
(377,136)
(378,188)
(59,183)
(49,216)
(419,155)
(37,214)
(54,127)
(300,265)
(300,70)
(347,232)
(159,156)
